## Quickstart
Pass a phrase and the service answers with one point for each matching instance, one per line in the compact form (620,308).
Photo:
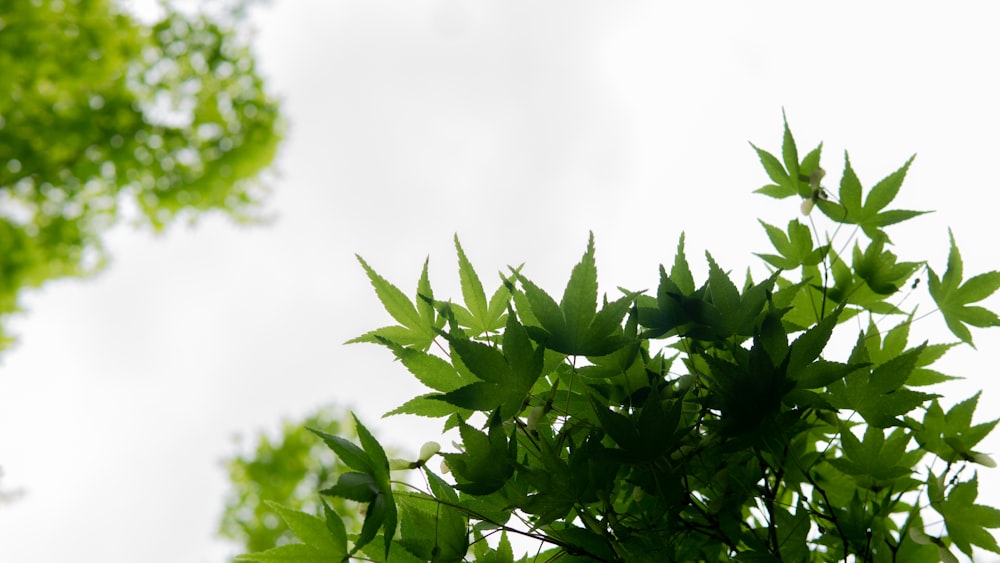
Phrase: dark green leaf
(352,456)
(359,487)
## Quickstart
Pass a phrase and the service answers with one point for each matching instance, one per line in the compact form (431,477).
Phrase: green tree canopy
(703,420)
(100,113)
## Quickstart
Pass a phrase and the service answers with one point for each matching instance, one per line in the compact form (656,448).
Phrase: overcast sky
(520,126)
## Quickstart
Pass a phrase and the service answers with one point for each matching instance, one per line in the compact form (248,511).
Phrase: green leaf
(850,189)
(811,343)
(891,375)
(796,248)
(874,457)
(375,518)
(441,489)
(879,394)
(810,163)
(488,460)
(968,522)
(289,553)
(321,543)
(335,525)
(432,531)
(793,531)
(352,485)
(878,267)
(382,510)
(772,190)
(370,483)
(352,456)
(506,377)
(482,316)
(788,151)
(579,302)
(725,297)
(783,185)
(952,435)
(821,373)
(574,326)
(504,553)
(680,272)
(870,216)
(430,370)
(954,300)
(429,405)
(425,298)
(313,531)
(417,326)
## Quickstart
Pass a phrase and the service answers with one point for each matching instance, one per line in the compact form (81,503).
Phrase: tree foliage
(99,112)
(710,420)
(281,474)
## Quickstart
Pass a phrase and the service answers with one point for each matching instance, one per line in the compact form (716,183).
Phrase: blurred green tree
(285,470)
(100,114)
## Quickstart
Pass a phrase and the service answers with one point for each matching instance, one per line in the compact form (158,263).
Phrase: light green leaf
(870,216)
(321,543)
(289,553)
(878,267)
(968,522)
(432,531)
(810,163)
(425,298)
(784,186)
(472,292)
(428,405)
(680,272)
(420,323)
(431,370)
(788,151)
(313,531)
(954,300)
(724,295)
(579,302)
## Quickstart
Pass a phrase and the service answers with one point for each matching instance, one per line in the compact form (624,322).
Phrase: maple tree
(709,421)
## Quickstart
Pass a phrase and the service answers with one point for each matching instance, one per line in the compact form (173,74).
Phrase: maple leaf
(953,297)
(870,215)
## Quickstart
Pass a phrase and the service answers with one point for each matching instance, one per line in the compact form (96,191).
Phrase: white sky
(518,125)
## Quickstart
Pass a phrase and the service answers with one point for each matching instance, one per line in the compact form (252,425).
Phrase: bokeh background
(520,126)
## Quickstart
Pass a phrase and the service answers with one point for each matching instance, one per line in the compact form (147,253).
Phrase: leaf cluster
(100,112)
(708,421)
(282,469)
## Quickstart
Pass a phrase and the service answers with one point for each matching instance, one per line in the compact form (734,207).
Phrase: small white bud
(399,464)
(427,451)
(807,206)
(535,416)
(982,459)
(638,494)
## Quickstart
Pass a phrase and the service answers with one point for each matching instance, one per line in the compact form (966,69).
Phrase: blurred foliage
(100,113)
(286,470)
